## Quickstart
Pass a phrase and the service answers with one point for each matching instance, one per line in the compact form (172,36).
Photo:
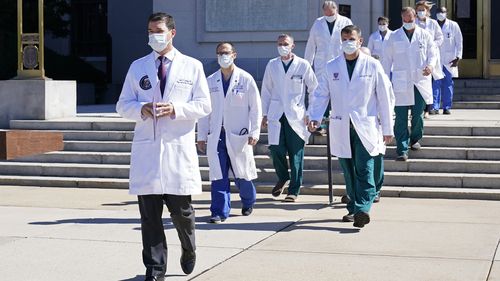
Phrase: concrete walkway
(91,234)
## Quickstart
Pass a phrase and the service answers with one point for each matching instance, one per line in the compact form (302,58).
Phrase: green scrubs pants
(403,137)
(359,175)
(292,144)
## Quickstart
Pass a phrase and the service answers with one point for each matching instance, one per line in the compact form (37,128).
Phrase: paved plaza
(94,234)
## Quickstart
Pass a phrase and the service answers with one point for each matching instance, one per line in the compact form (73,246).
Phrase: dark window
(89,28)
(395,14)
(495,31)
(465,14)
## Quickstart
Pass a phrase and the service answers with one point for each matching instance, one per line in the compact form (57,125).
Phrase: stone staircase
(460,157)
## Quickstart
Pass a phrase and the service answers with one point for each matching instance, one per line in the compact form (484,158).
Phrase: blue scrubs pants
(442,91)
(221,192)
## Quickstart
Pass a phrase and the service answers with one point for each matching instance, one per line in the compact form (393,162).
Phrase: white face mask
(421,14)
(409,25)
(284,50)
(225,61)
(158,41)
(350,47)
(441,16)
(382,27)
(331,18)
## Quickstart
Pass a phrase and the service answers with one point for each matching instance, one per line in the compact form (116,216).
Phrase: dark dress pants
(154,243)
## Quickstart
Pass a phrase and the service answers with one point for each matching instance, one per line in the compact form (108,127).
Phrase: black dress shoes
(279,188)
(348,218)
(361,219)
(188,261)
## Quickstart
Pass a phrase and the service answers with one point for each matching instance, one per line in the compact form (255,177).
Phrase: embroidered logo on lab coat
(336,76)
(145,83)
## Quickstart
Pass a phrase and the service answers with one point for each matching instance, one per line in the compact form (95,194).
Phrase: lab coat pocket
(144,131)
(273,132)
(238,142)
(297,85)
(275,110)
(400,80)
(238,99)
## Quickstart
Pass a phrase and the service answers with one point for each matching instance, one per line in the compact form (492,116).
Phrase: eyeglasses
(224,53)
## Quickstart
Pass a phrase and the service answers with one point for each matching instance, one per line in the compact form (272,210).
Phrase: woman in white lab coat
(410,55)
(324,41)
(361,96)
(283,107)
(378,38)
(229,133)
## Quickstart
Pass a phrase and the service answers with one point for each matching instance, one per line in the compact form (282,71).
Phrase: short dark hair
(168,19)
(383,19)
(350,28)
(225,42)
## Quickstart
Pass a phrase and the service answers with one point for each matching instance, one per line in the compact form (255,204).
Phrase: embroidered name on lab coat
(185,82)
(214,89)
(144,83)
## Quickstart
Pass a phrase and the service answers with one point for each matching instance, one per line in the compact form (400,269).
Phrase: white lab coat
(241,113)
(407,60)
(284,93)
(376,43)
(367,100)
(432,26)
(321,46)
(164,160)
(452,46)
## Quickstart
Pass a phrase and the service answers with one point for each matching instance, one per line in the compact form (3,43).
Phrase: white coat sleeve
(199,106)
(255,105)
(459,41)
(128,105)
(385,101)
(203,128)
(319,102)
(438,36)
(371,44)
(432,51)
(310,51)
(267,88)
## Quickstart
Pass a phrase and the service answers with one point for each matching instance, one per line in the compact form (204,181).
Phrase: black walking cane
(329,157)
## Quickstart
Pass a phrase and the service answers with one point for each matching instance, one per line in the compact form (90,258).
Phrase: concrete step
(264,161)
(462,153)
(476,105)
(424,153)
(79,123)
(476,91)
(321,190)
(476,98)
(477,83)
(455,180)
(83,157)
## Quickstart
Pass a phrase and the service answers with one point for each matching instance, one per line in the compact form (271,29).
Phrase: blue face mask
(409,25)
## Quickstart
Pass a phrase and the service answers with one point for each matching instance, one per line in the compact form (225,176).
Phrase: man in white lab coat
(410,55)
(379,37)
(361,123)
(284,113)
(165,93)
(229,132)
(451,53)
(324,39)
(424,21)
